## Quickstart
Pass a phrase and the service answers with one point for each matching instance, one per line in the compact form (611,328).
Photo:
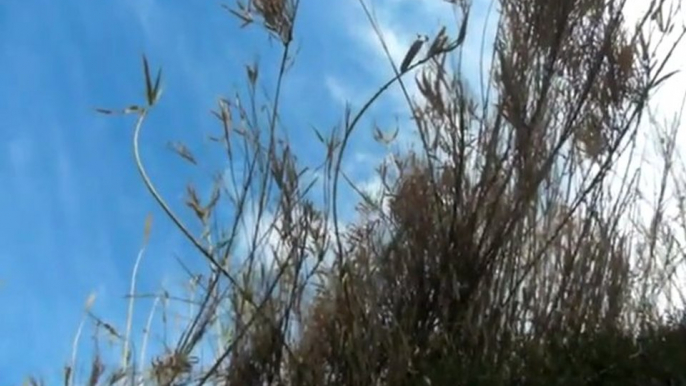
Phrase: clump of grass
(505,249)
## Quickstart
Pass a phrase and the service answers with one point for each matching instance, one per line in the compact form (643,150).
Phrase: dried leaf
(412,53)
(147,228)
(384,138)
(148,81)
(90,301)
(132,109)
(252,74)
(463,29)
(665,77)
(319,135)
(183,152)
(438,44)
(152,92)
(129,110)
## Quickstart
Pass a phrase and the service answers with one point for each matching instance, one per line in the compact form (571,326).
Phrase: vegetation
(532,260)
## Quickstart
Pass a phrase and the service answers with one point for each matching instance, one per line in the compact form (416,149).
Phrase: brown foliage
(501,244)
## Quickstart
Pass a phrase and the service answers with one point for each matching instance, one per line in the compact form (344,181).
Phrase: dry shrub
(504,255)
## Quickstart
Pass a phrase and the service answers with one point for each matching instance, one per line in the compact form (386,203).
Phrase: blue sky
(72,203)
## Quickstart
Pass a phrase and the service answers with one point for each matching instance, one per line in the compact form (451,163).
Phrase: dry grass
(510,251)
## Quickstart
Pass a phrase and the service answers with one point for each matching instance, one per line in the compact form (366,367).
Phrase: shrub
(504,251)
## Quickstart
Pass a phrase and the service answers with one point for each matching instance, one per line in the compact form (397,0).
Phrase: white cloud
(339,91)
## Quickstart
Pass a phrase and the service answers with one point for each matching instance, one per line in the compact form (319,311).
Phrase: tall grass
(512,247)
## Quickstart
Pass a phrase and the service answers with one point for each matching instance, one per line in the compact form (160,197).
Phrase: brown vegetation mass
(505,251)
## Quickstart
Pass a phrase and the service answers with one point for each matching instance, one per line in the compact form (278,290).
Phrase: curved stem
(346,137)
(151,188)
